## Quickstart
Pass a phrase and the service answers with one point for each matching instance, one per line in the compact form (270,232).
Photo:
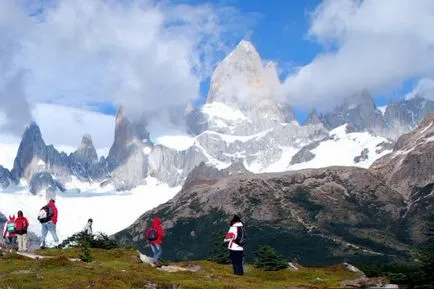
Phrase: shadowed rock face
(313,118)
(32,153)
(407,114)
(44,181)
(5,177)
(336,211)
(359,112)
(410,166)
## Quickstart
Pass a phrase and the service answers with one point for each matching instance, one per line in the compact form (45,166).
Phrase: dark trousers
(237,261)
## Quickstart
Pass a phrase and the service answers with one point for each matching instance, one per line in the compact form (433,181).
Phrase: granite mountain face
(241,123)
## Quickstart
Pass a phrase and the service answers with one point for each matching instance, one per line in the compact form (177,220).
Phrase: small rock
(364,282)
(391,286)
(354,269)
(292,267)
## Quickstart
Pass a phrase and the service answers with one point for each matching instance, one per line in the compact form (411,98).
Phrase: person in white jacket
(88,228)
(235,248)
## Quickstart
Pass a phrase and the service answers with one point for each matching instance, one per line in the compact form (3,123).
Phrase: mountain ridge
(241,122)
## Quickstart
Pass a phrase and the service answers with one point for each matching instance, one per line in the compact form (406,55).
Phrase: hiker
(236,239)
(88,228)
(9,232)
(154,235)
(21,225)
(48,218)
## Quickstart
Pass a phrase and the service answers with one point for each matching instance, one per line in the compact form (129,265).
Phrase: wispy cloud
(424,88)
(141,54)
(369,44)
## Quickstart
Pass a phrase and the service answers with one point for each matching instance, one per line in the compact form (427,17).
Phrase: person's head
(20,213)
(90,221)
(235,219)
(52,201)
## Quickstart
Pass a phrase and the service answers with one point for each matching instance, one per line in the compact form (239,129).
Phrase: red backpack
(20,225)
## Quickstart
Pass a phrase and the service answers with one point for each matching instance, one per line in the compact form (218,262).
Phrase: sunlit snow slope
(111,211)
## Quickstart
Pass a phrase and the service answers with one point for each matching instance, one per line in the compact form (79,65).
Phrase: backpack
(241,239)
(20,226)
(45,214)
(152,234)
(11,227)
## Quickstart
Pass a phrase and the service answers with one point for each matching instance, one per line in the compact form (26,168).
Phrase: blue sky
(279,32)
(102,54)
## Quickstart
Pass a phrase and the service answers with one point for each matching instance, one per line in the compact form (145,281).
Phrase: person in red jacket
(50,224)
(21,225)
(155,238)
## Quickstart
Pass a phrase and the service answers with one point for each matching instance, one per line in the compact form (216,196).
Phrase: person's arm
(231,234)
(26,222)
(55,212)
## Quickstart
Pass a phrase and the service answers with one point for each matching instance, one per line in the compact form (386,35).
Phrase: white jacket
(88,229)
(231,236)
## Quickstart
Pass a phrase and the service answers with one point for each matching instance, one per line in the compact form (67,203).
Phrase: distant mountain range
(241,123)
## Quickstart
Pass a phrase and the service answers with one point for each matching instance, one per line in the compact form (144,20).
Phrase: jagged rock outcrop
(359,112)
(35,156)
(43,181)
(313,118)
(127,161)
(86,153)
(39,165)
(364,155)
(288,112)
(406,115)
(318,215)
(196,121)
(206,175)
(171,166)
(410,166)
(305,154)
(5,177)
(84,162)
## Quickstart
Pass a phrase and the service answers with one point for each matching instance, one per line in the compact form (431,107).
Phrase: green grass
(121,268)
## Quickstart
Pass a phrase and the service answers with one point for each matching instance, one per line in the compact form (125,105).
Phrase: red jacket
(54,209)
(156,223)
(23,223)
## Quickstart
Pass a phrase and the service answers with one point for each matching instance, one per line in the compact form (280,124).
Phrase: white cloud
(370,44)
(424,88)
(143,55)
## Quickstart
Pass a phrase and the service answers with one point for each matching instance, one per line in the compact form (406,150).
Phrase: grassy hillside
(121,268)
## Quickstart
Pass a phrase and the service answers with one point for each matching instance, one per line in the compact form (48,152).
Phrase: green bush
(218,252)
(269,260)
(82,240)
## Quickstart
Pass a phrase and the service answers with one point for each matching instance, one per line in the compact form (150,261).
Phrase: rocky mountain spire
(126,159)
(31,154)
(5,177)
(313,118)
(86,153)
(241,81)
(233,77)
(359,111)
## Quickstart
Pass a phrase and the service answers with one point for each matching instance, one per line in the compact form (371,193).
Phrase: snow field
(111,211)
